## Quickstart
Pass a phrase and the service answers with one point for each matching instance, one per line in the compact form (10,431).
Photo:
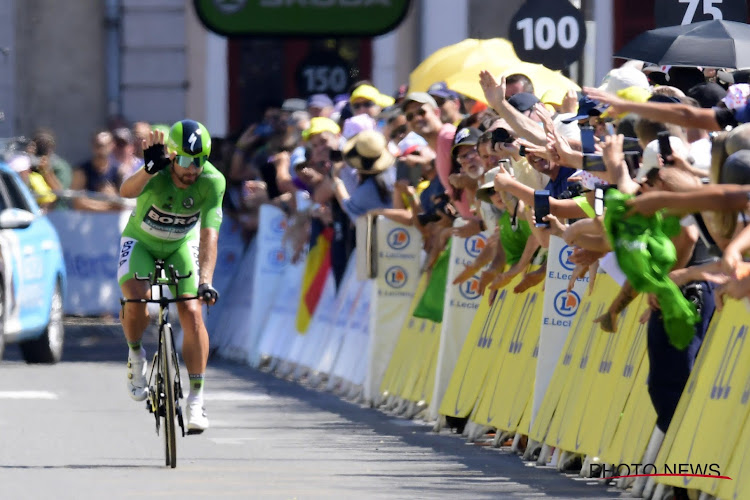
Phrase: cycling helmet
(189,139)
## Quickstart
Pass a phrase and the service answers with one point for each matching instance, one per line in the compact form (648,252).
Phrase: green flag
(431,304)
(646,254)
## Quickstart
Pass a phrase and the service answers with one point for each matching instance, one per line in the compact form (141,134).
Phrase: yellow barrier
(716,410)
(479,350)
(423,343)
(510,381)
(395,374)
(426,382)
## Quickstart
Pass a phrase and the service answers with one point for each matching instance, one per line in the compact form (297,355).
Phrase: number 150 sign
(676,12)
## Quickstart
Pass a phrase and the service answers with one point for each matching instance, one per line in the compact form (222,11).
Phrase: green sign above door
(328,18)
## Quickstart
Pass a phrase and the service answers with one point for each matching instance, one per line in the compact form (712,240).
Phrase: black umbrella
(710,44)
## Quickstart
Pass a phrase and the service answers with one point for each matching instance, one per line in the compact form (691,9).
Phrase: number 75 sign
(547,32)
(676,12)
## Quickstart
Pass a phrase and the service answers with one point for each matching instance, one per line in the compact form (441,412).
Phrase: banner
(560,308)
(230,251)
(460,307)
(270,265)
(398,251)
(91,246)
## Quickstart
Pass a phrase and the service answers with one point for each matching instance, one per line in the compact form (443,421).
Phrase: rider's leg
(134,258)
(195,336)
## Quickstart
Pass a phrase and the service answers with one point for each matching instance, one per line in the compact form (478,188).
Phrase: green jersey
(165,215)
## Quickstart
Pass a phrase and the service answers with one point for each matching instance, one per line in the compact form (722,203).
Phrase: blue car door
(31,292)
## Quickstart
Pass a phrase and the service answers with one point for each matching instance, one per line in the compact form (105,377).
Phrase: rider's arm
(207,254)
(133,186)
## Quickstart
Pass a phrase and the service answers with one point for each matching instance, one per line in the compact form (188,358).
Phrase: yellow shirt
(41,189)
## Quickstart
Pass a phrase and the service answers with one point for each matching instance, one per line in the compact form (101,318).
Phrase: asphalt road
(70,431)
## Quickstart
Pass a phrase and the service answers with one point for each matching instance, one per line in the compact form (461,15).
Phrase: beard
(185,177)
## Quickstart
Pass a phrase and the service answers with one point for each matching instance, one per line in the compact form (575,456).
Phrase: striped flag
(317,267)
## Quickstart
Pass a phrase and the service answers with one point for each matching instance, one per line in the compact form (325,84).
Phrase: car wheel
(49,346)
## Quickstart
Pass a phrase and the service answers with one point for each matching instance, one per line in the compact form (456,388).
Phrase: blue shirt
(560,184)
(364,198)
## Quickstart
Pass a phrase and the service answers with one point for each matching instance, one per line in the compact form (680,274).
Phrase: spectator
(123,153)
(367,152)
(42,191)
(367,99)
(97,175)
(319,105)
(448,101)
(517,83)
(141,132)
(45,144)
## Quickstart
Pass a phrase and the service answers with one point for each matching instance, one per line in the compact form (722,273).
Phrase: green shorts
(135,257)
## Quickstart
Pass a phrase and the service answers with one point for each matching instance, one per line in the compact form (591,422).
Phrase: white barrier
(91,245)
(560,307)
(398,269)
(460,306)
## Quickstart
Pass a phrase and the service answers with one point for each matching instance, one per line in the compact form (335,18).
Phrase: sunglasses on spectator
(400,130)
(364,104)
(410,116)
(186,161)
(467,155)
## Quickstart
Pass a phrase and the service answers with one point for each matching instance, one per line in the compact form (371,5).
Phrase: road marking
(28,395)
(235,396)
(232,441)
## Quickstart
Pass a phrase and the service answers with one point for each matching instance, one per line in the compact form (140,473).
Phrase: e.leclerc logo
(474,245)
(470,289)
(398,238)
(396,277)
(566,303)
(565,254)
(278,224)
(277,258)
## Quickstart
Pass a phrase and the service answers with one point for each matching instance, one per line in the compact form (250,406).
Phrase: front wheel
(48,347)
(170,430)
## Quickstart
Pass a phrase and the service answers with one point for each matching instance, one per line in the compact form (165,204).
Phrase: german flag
(317,267)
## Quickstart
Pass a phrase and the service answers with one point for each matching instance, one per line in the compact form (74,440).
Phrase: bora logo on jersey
(398,239)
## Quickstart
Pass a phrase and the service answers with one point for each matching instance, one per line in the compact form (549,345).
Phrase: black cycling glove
(155,158)
(207,292)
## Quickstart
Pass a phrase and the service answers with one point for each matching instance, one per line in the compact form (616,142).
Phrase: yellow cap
(554,96)
(632,94)
(372,94)
(318,125)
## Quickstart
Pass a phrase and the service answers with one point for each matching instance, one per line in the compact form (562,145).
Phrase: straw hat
(367,152)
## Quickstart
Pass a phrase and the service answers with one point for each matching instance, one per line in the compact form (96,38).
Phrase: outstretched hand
(494,92)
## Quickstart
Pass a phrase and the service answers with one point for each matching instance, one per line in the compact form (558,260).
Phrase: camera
(502,136)
(440,207)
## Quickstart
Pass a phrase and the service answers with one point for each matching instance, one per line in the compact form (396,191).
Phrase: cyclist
(176,187)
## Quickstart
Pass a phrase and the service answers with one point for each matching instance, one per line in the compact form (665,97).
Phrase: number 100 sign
(546,32)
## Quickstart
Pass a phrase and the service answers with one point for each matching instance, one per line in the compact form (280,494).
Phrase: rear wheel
(170,430)
(48,347)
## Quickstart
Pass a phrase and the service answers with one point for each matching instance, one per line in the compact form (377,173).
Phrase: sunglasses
(400,130)
(410,116)
(467,155)
(365,104)
(186,161)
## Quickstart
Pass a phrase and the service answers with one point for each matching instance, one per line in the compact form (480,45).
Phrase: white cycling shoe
(197,421)
(137,383)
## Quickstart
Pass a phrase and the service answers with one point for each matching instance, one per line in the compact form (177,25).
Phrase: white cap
(651,154)
(20,163)
(357,124)
(623,78)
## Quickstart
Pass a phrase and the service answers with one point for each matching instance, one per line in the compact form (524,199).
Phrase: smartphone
(541,207)
(631,145)
(587,139)
(665,148)
(502,136)
(599,199)
(593,163)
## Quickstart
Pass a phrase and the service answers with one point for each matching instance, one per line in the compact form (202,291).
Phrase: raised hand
(494,92)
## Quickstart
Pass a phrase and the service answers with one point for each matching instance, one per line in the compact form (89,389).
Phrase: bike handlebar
(162,300)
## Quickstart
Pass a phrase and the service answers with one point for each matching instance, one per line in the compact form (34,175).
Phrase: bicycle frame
(164,389)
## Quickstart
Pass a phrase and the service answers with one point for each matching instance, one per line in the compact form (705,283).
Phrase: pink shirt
(443,163)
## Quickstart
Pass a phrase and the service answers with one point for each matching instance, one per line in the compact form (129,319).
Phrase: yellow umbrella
(466,81)
(454,58)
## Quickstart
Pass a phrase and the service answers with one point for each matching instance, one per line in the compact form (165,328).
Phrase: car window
(16,197)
